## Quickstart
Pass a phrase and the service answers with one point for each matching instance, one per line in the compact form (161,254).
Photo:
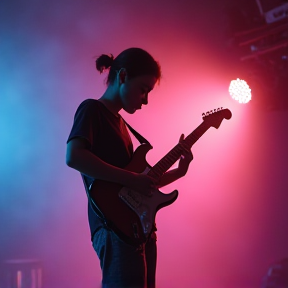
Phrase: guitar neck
(174,154)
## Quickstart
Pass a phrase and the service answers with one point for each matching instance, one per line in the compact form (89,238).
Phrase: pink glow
(230,220)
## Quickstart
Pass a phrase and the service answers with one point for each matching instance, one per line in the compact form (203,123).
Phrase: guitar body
(130,214)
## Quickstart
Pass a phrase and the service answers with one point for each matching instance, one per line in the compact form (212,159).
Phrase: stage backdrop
(230,220)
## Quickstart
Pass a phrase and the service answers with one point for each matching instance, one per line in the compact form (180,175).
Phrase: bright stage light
(240,91)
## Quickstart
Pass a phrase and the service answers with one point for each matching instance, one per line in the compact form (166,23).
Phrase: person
(99,147)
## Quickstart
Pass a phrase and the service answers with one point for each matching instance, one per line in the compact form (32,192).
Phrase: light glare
(240,91)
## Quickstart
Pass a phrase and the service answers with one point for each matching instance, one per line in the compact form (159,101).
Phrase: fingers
(146,184)
(181,138)
(151,187)
(183,144)
(153,183)
(186,150)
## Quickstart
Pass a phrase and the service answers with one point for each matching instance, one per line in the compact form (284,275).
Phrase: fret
(174,154)
(209,120)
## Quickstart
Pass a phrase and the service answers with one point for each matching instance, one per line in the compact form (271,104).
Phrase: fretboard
(174,154)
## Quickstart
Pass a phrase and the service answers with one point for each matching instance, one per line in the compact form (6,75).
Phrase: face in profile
(134,92)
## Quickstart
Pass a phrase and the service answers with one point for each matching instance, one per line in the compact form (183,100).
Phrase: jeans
(123,265)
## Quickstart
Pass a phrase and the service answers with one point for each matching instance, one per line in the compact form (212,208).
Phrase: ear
(122,75)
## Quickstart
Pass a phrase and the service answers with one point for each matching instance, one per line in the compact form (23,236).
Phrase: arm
(174,174)
(80,158)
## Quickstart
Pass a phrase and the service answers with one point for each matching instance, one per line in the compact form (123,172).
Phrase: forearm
(87,163)
(169,177)
(174,174)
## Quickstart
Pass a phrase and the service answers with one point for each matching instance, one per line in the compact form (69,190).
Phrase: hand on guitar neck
(183,165)
(147,184)
(185,158)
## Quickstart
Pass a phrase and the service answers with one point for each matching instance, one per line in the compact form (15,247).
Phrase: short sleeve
(85,121)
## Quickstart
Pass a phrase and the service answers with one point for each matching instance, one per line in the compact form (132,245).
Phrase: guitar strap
(139,137)
(142,140)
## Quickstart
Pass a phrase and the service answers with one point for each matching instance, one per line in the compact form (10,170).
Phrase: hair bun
(103,62)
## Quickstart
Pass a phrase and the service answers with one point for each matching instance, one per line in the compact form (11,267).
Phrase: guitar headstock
(216,116)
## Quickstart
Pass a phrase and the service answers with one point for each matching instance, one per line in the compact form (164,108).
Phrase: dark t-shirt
(108,139)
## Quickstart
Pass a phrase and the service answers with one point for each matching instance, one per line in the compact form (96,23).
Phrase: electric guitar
(130,214)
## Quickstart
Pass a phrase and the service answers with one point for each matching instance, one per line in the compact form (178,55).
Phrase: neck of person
(111,102)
